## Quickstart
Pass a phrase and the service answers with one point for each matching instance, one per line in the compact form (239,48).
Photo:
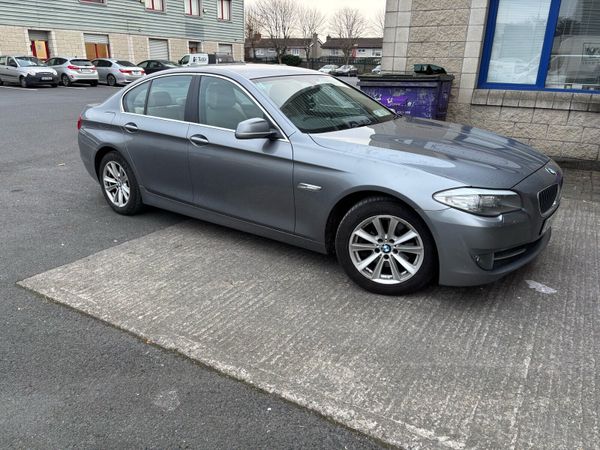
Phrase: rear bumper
(83,77)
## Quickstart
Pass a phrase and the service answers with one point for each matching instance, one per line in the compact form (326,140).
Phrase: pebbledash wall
(564,124)
(128,24)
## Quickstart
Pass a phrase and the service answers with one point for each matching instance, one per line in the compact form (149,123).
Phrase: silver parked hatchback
(74,70)
(115,72)
(301,157)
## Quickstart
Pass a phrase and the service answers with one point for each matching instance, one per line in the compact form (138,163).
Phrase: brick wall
(119,46)
(178,48)
(139,48)
(14,41)
(450,33)
(67,43)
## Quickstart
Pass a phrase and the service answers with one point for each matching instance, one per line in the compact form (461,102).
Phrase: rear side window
(135,99)
(168,96)
(81,62)
(2,60)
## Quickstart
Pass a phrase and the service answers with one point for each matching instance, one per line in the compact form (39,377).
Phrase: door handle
(198,139)
(131,127)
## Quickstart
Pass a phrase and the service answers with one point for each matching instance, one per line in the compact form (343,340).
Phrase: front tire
(385,247)
(23,83)
(119,185)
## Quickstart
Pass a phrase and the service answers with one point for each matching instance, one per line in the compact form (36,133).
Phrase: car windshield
(29,61)
(82,62)
(126,64)
(319,103)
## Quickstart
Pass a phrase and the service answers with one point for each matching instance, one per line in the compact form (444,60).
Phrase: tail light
(93,68)
(79,123)
(142,71)
(72,67)
(125,71)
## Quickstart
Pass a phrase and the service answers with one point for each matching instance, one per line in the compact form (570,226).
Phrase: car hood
(39,69)
(465,154)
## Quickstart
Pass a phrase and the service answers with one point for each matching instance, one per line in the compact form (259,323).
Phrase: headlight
(31,72)
(483,202)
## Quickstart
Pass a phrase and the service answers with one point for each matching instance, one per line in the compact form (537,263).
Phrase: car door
(2,67)
(101,68)
(156,134)
(247,179)
(11,73)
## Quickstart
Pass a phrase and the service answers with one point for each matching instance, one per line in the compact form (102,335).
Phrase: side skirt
(168,204)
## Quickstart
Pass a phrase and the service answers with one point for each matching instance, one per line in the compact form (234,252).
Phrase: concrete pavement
(508,365)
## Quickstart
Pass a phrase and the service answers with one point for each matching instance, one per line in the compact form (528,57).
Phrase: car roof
(248,71)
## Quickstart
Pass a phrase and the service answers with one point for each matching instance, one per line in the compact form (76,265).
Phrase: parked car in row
(26,71)
(345,71)
(115,72)
(74,70)
(156,65)
(376,70)
(329,68)
(301,157)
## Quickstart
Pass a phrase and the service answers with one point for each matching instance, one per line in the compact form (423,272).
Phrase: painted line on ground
(18,88)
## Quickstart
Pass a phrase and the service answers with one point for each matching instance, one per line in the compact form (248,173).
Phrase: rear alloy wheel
(23,82)
(65,80)
(385,247)
(119,185)
(111,80)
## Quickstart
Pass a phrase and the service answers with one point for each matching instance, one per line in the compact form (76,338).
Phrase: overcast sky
(368,7)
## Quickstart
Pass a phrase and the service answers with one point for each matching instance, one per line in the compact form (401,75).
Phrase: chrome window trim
(201,74)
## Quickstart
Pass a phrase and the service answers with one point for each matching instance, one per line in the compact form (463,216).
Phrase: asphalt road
(68,380)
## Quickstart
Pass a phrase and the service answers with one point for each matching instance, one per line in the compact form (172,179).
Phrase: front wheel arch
(347,202)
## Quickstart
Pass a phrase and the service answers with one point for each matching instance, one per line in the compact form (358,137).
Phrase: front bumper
(475,250)
(41,78)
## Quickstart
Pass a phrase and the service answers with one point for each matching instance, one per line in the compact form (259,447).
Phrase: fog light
(485,260)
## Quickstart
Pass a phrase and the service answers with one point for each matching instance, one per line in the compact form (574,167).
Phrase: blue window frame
(572,66)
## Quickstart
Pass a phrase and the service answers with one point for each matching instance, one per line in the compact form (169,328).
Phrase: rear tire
(94,83)
(119,185)
(111,80)
(65,81)
(54,85)
(385,247)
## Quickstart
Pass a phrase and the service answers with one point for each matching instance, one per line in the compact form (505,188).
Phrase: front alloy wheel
(385,247)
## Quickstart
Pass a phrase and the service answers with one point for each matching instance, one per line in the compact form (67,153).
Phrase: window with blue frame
(542,45)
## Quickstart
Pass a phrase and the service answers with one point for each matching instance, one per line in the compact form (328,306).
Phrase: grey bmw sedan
(301,157)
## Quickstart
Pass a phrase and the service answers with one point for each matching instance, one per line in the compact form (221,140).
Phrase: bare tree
(349,26)
(252,27)
(310,22)
(277,18)
(379,23)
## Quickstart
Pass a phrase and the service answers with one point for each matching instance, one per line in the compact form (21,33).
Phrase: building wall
(131,47)
(450,33)
(127,16)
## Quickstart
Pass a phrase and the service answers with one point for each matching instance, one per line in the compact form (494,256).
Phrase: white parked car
(116,72)
(26,71)
(74,70)
(329,68)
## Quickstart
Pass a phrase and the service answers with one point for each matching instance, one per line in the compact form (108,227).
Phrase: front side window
(224,9)
(319,104)
(542,44)
(155,5)
(168,96)
(192,7)
(222,104)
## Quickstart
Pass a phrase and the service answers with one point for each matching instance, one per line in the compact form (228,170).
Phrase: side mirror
(255,129)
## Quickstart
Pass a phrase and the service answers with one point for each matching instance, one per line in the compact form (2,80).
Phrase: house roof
(360,42)
(270,43)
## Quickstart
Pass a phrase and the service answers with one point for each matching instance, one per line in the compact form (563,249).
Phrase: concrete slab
(509,365)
